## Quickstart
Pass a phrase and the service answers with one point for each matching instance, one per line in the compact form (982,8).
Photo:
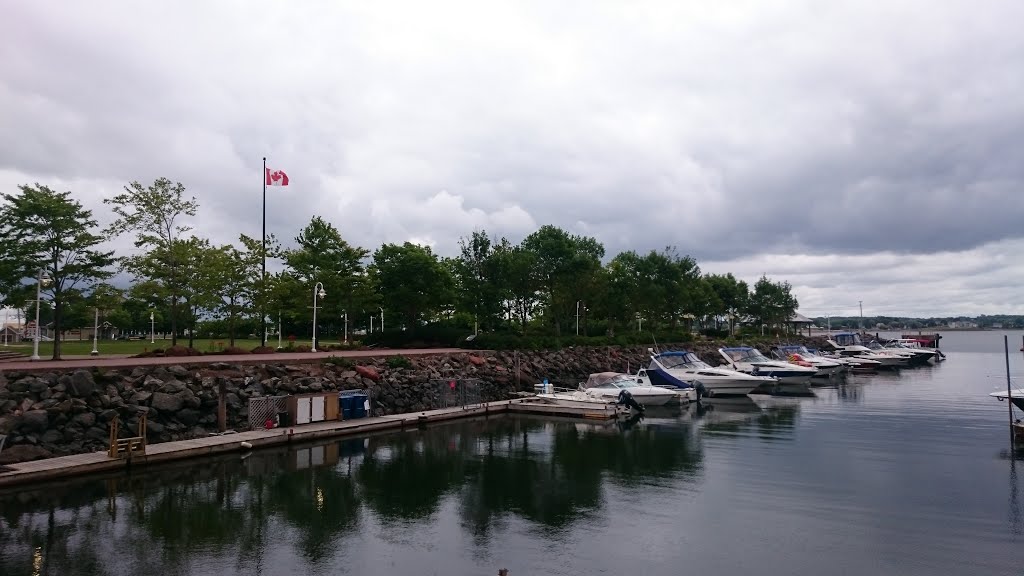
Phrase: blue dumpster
(359,405)
(353,404)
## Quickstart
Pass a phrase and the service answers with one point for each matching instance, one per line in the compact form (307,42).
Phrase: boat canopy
(610,380)
(744,354)
(683,360)
(795,349)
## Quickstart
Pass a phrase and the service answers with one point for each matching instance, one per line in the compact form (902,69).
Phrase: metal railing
(455,392)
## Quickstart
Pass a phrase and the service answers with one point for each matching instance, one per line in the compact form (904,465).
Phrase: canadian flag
(276,178)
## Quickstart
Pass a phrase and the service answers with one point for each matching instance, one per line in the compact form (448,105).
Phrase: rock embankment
(56,413)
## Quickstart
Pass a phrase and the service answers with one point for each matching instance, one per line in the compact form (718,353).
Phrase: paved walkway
(120,361)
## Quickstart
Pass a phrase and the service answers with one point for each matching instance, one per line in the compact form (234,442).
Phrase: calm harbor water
(907,473)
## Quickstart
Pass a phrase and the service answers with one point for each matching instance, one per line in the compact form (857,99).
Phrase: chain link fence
(454,392)
(264,407)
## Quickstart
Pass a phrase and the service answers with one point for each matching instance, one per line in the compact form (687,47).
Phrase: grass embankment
(129,347)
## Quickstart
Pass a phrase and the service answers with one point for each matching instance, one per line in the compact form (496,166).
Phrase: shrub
(179,351)
(398,362)
(339,362)
(300,348)
(263,350)
(234,350)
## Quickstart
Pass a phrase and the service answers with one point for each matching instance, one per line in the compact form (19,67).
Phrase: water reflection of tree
(557,487)
(167,520)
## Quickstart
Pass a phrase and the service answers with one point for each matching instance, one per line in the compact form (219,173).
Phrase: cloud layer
(867,145)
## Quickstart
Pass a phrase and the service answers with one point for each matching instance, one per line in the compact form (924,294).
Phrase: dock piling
(1009,391)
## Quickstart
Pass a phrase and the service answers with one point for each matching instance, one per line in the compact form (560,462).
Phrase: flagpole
(263,277)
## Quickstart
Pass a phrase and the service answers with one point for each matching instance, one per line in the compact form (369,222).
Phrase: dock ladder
(127,447)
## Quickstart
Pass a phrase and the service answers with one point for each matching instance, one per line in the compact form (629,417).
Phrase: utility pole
(860,304)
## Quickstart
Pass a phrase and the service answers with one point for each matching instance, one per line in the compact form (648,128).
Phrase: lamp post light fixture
(95,333)
(42,280)
(318,290)
(639,323)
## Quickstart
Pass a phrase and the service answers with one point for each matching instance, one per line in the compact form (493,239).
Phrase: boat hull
(713,385)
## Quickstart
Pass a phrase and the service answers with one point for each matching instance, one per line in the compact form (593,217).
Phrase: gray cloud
(838,132)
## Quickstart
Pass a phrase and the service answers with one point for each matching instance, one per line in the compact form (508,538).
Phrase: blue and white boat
(796,353)
(750,361)
(683,368)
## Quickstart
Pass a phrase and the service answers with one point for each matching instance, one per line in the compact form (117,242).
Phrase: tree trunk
(231,323)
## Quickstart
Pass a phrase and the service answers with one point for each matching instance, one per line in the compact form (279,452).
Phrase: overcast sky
(863,151)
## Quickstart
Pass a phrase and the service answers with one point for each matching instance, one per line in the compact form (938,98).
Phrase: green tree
(514,269)
(479,293)
(564,267)
(412,281)
(154,214)
(771,303)
(733,295)
(51,232)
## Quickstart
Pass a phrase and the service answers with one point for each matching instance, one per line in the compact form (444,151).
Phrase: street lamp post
(381,319)
(5,328)
(42,280)
(152,328)
(639,322)
(318,290)
(95,331)
(278,329)
(577,317)
(371,324)
(344,316)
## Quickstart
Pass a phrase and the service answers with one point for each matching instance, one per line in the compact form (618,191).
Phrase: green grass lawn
(84,347)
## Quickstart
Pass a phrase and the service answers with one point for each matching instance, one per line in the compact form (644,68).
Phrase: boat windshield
(745,355)
(802,350)
(848,339)
(686,360)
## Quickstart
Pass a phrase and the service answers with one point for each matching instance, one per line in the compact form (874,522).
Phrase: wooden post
(222,405)
(1009,391)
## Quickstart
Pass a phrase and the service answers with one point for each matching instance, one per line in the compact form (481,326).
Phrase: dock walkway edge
(100,462)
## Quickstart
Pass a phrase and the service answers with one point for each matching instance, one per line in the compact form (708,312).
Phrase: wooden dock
(99,462)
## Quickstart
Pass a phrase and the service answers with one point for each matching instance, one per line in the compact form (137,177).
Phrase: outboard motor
(626,399)
(702,392)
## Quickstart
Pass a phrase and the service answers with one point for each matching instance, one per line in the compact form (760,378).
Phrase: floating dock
(101,462)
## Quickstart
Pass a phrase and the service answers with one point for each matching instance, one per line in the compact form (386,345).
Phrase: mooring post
(222,405)
(1009,391)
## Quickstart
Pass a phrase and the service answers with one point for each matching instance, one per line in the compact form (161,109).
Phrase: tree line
(552,282)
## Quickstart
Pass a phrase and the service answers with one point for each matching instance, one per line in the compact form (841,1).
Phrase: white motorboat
(683,369)
(919,356)
(915,344)
(801,356)
(852,363)
(608,386)
(750,360)
(1016,397)
(849,344)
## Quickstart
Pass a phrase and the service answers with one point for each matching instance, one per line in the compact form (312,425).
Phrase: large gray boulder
(82,384)
(166,402)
